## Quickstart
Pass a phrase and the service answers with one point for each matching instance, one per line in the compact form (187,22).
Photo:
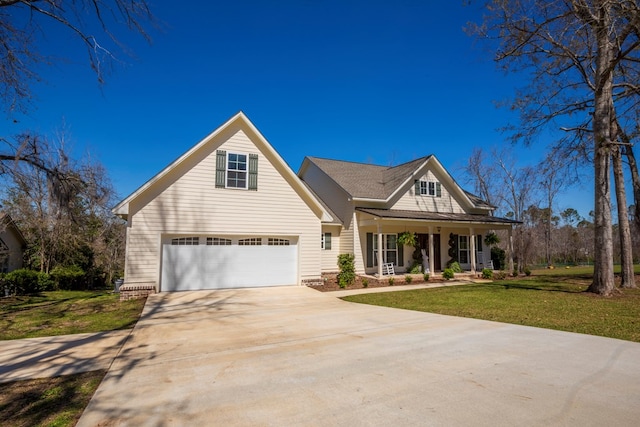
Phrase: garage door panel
(217,267)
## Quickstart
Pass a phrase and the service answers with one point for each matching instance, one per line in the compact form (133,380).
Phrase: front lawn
(55,401)
(66,312)
(553,301)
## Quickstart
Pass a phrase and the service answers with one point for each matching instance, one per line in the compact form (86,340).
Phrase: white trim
(246,171)
(122,208)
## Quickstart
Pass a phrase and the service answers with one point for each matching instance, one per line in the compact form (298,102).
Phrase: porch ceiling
(436,216)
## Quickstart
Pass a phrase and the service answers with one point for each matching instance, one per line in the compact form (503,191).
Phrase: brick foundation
(128,292)
(312,282)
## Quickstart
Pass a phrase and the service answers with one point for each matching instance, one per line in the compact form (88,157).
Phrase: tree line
(580,62)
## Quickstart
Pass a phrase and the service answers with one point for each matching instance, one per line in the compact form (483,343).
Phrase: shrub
(365,282)
(68,278)
(408,278)
(527,271)
(347,267)
(501,275)
(425,276)
(455,267)
(447,274)
(416,268)
(391,281)
(487,273)
(514,273)
(22,282)
(45,283)
(498,257)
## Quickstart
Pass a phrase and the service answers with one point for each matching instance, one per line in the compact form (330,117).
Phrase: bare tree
(93,22)
(582,57)
(626,248)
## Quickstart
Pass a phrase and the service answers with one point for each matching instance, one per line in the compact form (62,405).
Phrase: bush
(501,275)
(514,273)
(391,281)
(487,273)
(447,274)
(408,279)
(365,282)
(22,282)
(347,267)
(45,282)
(527,271)
(68,278)
(425,276)
(498,257)
(455,267)
(416,268)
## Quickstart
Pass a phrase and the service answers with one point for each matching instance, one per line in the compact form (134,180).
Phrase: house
(231,213)
(12,245)
(374,205)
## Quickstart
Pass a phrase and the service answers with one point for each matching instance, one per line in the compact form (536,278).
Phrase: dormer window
(429,188)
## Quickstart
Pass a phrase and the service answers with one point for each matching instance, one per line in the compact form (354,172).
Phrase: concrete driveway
(294,356)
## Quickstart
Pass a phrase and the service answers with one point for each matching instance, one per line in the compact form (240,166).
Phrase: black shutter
(369,249)
(400,261)
(221,168)
(253,172)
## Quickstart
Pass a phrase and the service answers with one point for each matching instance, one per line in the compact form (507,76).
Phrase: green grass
(48,402)
(554,300)
(65,312)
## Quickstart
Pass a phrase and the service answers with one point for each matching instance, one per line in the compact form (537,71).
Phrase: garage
(218,262)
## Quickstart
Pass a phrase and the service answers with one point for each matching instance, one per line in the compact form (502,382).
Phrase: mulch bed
(331,282)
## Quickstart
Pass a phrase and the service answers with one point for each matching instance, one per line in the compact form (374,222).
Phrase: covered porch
(440,238)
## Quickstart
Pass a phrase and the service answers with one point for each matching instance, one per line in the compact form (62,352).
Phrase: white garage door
(215,263)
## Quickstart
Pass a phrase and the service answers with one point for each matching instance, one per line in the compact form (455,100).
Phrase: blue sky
(369,81)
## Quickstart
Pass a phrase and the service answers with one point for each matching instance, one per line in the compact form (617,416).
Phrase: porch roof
(437,216)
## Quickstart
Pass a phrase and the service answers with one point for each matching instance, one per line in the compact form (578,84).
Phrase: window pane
(423,187)
(391,241)
(391,257)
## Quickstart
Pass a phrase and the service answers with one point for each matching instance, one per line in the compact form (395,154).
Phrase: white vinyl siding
(329,259)
(186,201)
(446,203)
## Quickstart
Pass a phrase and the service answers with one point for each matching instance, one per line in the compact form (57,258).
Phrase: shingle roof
(436,216)
(335,219)
(367,181)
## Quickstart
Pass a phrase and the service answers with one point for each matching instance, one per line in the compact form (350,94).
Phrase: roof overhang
(437,217)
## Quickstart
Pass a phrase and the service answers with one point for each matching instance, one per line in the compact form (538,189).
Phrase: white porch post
(379,254)
(472,247)
(510,250)
(431,251)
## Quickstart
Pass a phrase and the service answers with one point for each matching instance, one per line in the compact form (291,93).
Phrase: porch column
(379,254)
(472,247)
(431,251)
(510,250)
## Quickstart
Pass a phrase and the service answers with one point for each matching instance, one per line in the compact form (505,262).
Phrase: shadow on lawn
(571,285)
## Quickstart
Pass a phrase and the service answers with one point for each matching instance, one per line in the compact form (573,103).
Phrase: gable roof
(240,121)
(6,222)
(367,181)
(381,183)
